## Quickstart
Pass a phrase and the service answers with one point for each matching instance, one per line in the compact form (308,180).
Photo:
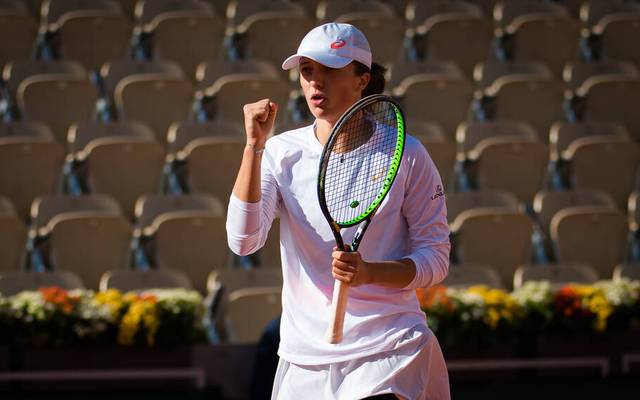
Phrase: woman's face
(330,91)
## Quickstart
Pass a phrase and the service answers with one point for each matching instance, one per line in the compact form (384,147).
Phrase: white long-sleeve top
(410,223)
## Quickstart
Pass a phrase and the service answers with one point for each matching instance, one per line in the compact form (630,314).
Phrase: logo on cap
(338,43)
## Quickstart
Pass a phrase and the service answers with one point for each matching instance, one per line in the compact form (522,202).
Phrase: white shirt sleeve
(248,223)
(426,213)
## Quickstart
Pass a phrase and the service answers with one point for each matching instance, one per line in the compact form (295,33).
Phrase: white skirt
(416,370)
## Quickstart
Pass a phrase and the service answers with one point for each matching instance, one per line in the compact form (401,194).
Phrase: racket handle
(338,309)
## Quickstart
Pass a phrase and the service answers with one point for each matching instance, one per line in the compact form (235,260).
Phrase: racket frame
(340,290)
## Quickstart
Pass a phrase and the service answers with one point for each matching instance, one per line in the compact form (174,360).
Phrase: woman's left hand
(349,267)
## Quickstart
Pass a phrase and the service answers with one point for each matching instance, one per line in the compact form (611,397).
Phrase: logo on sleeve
(439,193)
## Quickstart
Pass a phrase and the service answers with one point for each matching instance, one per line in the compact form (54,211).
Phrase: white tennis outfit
(387,346)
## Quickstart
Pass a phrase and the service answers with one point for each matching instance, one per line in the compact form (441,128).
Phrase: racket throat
(355,243)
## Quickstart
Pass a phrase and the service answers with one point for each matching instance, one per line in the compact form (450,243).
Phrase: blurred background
(121,134)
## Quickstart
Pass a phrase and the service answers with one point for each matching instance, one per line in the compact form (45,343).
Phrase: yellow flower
(141,309)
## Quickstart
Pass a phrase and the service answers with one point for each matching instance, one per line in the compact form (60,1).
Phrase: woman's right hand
(258,121)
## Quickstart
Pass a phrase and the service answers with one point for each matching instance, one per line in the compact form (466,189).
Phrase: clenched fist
(258,121)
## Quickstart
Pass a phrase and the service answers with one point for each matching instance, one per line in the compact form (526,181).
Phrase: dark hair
(377,82)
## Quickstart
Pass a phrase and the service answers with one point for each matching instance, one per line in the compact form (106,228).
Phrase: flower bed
(481,319)
(52,317)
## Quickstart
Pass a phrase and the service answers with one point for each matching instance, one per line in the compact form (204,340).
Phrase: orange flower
(434,295)
(148,297)
(59,297)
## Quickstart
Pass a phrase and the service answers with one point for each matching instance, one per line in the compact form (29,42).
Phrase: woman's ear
(364,80)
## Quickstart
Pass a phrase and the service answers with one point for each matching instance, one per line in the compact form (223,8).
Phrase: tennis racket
(359,164)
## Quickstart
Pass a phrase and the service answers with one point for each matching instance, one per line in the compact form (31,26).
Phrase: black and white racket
(359,164)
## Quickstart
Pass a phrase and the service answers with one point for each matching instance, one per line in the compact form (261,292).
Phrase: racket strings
(360,160)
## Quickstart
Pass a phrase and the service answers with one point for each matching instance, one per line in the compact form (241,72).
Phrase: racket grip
(338,309)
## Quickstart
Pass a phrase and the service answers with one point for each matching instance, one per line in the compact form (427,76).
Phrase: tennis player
(387,350)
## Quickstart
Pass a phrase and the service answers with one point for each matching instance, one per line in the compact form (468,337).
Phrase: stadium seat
(28,168)
(202,156)
(610,98)
(552,40)
(147,11)
(577,73)
(440,149)
(328,11)
(187,40)
(505,12)
(457,202)
(155,100)
(558,275)
(533,99)
(618,34)
(89,244)
(45,208)
(272,36)
(138,169)
(249,312)
(15,72)
(486,73)
(461,38)
(17,37)
(239,11)
(16,282)
(384,32)
(563,134)
(226,97)
(53,11)
(221,283)
(466,275)
(500,238)
(151,206)
(193,242)
(57,100)
(597,12)
(94,39)
(603,163)
(13,236)
(82,133)
(548,203)
(592,235)
(437,98)
(131,280)
(113,72)
(471,134)
(182,133)
(628,271)
(26,130)
(403,69)
(210,71)
(419,12)
(513,164)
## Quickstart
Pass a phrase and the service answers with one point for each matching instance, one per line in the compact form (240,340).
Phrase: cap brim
(328,60)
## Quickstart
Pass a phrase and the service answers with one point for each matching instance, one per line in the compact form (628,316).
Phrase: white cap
(333,45)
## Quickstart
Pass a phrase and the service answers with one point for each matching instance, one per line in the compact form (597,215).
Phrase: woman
(387,347)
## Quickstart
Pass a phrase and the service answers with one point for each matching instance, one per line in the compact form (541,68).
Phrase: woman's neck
(323,130)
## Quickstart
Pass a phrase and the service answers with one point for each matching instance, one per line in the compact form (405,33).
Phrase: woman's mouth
(318,99)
